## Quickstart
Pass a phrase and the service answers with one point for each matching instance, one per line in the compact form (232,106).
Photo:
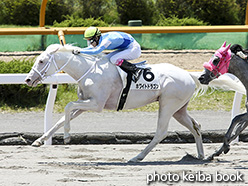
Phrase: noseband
(222,66)
(214,73)
(43,71)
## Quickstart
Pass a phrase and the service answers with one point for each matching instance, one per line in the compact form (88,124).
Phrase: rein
(52,60)
(86,73)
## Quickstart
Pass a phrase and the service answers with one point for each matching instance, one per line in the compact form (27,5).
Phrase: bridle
(221,66)
(223,63)
(42,73)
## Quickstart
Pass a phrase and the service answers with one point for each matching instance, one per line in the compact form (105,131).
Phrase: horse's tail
(224,82)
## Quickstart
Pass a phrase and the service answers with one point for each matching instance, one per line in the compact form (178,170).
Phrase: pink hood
(224,54)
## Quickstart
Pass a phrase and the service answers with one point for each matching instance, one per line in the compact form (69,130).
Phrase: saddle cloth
(147,81)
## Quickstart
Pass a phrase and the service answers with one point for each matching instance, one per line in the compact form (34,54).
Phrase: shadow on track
(186,160)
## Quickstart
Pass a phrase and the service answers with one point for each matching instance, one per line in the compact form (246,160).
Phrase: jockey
(238,50)
(126,48)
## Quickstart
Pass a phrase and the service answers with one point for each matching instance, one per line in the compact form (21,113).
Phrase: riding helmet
(91,33)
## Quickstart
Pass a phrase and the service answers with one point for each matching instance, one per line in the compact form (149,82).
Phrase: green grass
(217,100)
(65,94)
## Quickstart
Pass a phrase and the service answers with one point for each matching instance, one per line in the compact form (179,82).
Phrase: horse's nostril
(28,80)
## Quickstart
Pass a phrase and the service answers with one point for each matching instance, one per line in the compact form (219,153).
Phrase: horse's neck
(75,66)
(239,68)
(79,65)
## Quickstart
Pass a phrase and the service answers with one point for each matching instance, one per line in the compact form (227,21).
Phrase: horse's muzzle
(31,83)
(203,80)
(28,81)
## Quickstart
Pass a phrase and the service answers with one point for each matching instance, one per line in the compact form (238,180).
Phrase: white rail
(53,81)
(60,78)
(65,79)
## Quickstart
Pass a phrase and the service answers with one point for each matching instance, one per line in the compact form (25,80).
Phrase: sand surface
(167,164)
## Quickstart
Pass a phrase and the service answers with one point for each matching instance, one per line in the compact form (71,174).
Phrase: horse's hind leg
(239,123)
(168,105)
(56,127)
(182,117)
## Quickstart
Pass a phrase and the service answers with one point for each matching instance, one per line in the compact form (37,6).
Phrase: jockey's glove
(242,55)
(76,51)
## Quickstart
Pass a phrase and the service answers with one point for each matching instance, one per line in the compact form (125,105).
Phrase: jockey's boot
(129,67)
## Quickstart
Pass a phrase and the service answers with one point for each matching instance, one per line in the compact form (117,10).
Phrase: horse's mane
(69,48)
(226,82)
(58,47)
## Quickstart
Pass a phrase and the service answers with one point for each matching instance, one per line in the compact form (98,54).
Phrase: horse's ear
(224,44)
(54,50)
(227,48)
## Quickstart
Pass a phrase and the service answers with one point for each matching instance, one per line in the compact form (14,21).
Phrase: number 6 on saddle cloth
(147,81)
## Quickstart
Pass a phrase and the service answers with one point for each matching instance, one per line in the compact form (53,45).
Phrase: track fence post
(236,108)
(48,118)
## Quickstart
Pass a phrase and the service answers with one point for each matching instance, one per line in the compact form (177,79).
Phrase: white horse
(100,86)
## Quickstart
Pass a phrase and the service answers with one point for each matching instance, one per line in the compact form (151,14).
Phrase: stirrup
(137,74)
(140,63)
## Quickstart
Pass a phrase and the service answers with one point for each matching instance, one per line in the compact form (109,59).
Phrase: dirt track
(186,59)
(105,165)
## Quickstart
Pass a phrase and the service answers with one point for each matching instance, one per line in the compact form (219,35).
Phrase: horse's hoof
(210,158)
(67,140)
(226,149)
(135,160)
(36,144)
(201,157)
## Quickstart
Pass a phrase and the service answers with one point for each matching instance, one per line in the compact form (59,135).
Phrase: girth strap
(125,92)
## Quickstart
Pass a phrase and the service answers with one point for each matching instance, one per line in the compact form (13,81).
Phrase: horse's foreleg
(57,126)
(238,124)
(228,139)
(161,133)
(89,104)
(49,133)
(239,128)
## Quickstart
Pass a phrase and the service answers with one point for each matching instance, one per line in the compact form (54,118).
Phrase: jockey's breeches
(132,52)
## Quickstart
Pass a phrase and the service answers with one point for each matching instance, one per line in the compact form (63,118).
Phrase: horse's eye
(216,60)
(40,61)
